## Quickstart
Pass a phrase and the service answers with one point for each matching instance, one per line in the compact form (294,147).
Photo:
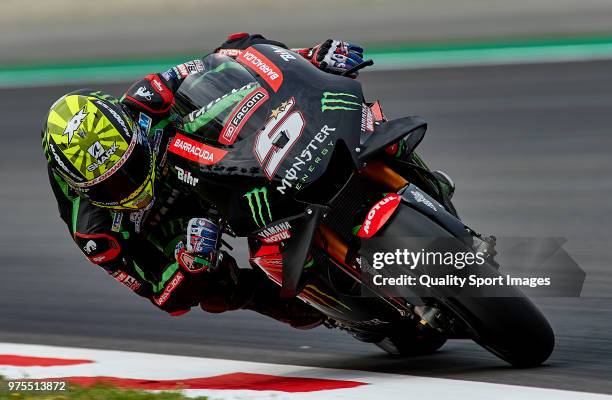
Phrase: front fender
(420,201)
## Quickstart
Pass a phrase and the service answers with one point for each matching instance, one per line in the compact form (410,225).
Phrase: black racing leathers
(137,248)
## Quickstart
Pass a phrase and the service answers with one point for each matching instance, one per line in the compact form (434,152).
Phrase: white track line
(166,367)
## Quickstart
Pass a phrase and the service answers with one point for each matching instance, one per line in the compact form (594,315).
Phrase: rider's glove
(334,56)
(200,253)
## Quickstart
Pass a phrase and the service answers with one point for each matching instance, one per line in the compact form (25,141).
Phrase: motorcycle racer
(124,212)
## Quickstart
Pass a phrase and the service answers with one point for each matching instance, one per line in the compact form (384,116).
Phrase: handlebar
(366,63)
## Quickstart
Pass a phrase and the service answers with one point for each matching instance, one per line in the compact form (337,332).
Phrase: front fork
(428,317)
(340,252)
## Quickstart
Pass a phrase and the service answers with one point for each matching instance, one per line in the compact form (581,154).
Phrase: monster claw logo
(74,123)
(339,101)
(256,198)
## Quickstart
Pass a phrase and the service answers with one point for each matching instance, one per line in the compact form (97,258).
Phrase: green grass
(96,392)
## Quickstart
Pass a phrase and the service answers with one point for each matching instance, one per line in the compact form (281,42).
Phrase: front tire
(510,327)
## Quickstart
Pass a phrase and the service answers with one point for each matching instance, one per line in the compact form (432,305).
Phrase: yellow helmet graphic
(93,144)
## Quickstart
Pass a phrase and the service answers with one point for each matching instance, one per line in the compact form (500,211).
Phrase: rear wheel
(413,343)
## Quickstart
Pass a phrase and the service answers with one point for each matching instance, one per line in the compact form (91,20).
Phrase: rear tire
(411,342)
(404,347)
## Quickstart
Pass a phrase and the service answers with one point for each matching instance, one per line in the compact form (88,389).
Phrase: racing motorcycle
(294,159)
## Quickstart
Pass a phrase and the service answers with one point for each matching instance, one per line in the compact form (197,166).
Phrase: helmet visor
(130,185)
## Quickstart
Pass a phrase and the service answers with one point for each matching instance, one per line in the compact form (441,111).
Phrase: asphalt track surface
(529,147)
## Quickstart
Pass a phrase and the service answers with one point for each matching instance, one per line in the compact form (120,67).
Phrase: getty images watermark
(457,260)
(466,267)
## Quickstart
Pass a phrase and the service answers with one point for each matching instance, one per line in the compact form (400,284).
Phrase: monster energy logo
(256,198)
(339,101)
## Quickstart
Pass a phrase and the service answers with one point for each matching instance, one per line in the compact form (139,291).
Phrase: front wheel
(510,327)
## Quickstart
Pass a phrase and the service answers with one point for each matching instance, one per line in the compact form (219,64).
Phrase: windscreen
(224,94)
